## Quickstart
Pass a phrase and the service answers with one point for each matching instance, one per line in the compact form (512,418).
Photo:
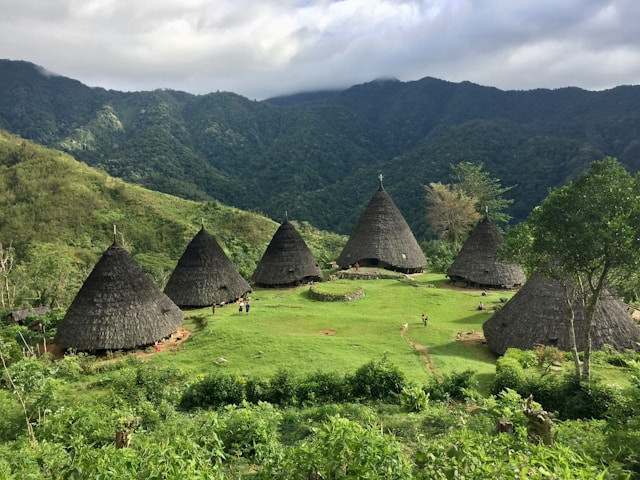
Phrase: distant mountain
(317,155)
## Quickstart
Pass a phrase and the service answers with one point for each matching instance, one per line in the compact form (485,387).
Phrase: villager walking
(247,305)
(241,306)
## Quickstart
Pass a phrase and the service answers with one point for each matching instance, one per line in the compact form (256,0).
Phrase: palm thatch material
(287,261)
(537,315)
(204,275)
(117,308)
(382,238)
(476,264)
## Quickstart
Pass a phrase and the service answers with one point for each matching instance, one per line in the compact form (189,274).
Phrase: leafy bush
(342,448)
(215,390)
(250,431)
(256,390)
(137,382)
(323,387)
(282,389)
(91,424)
(457,386)
(377,380)
(414,399)
(475,455)
(563,393)
(509,375)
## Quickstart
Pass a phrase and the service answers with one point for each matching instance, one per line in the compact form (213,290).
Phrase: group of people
(244,303)
(425,320)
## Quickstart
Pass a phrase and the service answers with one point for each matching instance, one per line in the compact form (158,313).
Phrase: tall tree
(488,192)
(582,234)
(451,213)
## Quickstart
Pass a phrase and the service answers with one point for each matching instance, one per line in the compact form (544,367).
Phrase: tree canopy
(582,235)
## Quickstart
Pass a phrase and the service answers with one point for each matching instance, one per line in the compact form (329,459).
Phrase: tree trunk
(538,423)
(569,299)
(590,301)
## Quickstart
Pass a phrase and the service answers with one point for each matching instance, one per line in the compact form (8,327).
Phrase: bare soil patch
(471,337)
(327,332)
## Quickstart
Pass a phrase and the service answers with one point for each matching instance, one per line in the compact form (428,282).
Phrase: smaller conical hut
(476,263)
(204,275)
(382,238)
(117,308)
(287,261)
(537,315)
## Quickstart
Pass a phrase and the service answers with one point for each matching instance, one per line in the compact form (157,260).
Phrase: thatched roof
(383,238)
(476,263)
(287,260)
(20,316)
(537,313)
(205,275)
(117,308)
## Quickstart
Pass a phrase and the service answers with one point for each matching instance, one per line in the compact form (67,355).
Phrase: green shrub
(256,390)
(458,386)
(215,390)
(376,380)
(342,448)
(414,399)
(92,424)
(250,431)
(509,374)
(323,387)
(282,389)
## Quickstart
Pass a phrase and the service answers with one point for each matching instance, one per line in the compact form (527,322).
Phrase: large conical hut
(117,308)
(204,275)
(476,264)
(382,238)
(537,315)
(287,261)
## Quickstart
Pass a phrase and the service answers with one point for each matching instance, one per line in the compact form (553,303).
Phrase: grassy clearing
(287,329)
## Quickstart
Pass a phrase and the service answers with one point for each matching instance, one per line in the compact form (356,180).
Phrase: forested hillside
(57,217)
(316,155)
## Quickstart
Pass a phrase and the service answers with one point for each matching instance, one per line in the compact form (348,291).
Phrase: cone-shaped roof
(383,237)
(537,315)
(287,260)
(117,308)
(476,263)
(205,275)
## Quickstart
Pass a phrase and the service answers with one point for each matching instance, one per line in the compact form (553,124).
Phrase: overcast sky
(263,48)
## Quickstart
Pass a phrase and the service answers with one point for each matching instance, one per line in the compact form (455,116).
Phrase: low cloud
(261,48)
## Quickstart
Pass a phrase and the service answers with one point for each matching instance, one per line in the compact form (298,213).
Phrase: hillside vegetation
(54,206)
(317,155)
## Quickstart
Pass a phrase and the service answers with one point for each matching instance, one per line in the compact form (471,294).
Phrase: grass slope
(287,329)
(48,197)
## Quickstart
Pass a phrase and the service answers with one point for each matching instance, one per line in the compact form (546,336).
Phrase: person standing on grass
(241,306)
(247,305)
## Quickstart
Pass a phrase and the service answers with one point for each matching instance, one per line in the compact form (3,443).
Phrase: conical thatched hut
(287,261)
(382,238)
(117,308)
(537,315)
(204,275)
(476,264)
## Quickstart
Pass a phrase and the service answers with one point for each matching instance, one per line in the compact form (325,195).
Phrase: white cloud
(260,48)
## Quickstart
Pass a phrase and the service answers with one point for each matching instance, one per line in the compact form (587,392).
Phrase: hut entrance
(369,262)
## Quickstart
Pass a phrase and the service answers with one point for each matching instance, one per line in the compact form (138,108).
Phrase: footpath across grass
(287,329)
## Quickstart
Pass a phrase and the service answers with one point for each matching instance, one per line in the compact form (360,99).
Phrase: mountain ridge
(317,155)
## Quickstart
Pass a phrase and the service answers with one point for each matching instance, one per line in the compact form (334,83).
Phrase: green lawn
(287,329)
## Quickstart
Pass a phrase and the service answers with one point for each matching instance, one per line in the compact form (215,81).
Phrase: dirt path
(421,349)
